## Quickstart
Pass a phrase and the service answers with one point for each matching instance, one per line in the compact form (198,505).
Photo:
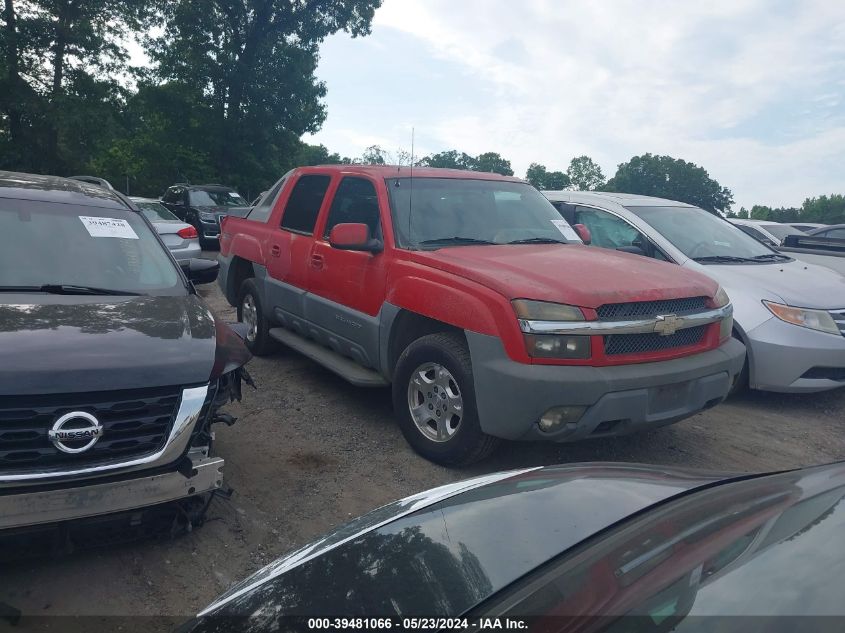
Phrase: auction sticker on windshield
(567,231)
(108,227)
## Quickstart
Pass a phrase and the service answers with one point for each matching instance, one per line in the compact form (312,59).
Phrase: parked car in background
(112,369)
(179,237)
(770,233)
(790,314)
(836,231)
(807,227)
(581,548)
(472,297)
(203,206)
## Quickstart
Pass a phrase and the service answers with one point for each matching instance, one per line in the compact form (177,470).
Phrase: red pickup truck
(468,293)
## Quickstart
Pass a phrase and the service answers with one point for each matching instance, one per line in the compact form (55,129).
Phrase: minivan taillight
(188,233)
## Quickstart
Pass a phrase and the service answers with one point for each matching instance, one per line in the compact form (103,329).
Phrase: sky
(751,90)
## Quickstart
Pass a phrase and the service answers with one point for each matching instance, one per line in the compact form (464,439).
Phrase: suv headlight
(205,216)
(560,346)
(804,317)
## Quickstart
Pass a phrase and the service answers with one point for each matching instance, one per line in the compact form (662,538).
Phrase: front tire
(251,314)
(434,401)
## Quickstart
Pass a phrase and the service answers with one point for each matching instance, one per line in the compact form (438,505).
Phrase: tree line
(229,93)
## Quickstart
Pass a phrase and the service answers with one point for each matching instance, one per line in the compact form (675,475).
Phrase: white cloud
(751,90)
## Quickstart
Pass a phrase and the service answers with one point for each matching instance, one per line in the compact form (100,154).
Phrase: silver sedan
(179,237)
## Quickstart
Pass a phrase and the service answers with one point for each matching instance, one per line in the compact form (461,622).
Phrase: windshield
(780,231)
(218,198)
(156,212)
(45,243)
(701,235)
(462,211)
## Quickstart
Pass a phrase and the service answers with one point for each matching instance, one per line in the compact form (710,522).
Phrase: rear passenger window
(261,211)
(355,202)
(304,204)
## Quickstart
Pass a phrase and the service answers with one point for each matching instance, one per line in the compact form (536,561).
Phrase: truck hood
(794,283)
(67,344)
(573,274)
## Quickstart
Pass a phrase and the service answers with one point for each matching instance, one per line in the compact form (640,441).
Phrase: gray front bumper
(511,397)
(25,509)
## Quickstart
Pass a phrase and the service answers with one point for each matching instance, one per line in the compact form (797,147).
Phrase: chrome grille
(619,344)
(646,309)
(839,318)
(135,423)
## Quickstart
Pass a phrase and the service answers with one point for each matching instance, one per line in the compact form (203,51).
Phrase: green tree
(743,214)
(675,179)
(584,174)
(492,162)
(58,94)
(543,179)
(450,159)
(253,64)
(760,212)
(825,209)
(318,155)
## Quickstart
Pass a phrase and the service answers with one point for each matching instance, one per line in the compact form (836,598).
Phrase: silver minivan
(790,314)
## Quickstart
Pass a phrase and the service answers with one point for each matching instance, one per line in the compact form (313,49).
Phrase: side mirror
(354,237)
(200,271)
(583,232)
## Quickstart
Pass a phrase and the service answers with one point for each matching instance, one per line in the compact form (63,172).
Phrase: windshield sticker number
(108,227)
(567,231)
(234,195)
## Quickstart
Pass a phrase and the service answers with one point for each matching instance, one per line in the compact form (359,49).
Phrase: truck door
(347,287)
(289,248)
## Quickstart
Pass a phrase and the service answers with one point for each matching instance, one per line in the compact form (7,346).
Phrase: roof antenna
(411,190)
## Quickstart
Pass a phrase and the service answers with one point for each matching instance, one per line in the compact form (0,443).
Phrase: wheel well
(241,270)
(407,328)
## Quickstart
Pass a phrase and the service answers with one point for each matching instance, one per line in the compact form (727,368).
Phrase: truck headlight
(721,299)
(560,346)
(804,317)
(546,311)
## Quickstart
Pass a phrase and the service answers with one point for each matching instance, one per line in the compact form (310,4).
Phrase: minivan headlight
(804,317)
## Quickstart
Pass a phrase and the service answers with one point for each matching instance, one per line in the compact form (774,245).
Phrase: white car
(790,314)
(771,233)
(180,238)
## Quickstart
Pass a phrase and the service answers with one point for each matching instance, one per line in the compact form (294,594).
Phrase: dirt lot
(309,451)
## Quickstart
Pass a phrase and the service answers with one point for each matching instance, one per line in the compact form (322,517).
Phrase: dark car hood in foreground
(67,344)
(442,552)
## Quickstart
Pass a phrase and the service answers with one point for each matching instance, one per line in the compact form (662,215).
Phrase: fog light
(558,418)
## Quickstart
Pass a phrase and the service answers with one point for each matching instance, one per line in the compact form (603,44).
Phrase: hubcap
(435,402)
(249,315)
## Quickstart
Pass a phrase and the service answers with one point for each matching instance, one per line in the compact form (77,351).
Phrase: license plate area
(668,397)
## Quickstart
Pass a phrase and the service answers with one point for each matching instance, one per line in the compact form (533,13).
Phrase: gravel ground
(310,451)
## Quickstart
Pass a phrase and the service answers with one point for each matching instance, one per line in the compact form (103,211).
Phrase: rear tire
(251,313)
(433,377)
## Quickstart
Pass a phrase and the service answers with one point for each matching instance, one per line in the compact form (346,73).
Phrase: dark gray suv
(203,206)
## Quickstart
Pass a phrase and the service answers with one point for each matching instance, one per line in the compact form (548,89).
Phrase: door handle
(275,250)
(316,260)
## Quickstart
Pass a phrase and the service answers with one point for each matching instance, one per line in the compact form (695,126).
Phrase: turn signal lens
(804,317)
(726,328)
(546,311)
(721,299)
(188,233)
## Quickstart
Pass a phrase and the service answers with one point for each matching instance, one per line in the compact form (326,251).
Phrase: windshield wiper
(721,258)
(537,240)
(70,289)
(453,240)
(767,256)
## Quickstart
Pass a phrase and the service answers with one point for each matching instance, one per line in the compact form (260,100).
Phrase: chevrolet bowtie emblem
(667,324)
